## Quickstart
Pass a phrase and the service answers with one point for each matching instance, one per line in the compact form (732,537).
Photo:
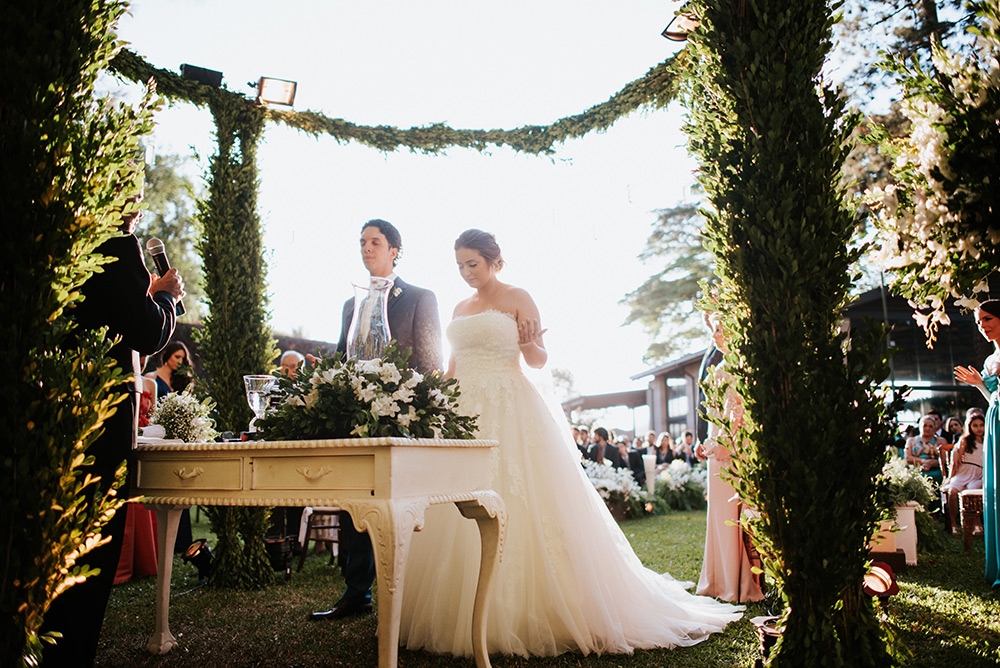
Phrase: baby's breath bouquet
(184,417)
(341,398)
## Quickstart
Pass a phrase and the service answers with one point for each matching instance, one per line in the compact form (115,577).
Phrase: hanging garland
(655,90)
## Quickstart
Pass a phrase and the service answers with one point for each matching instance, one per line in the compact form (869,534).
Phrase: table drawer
(182,473)
(347,472)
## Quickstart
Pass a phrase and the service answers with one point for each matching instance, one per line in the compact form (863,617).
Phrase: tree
(170,215)
(665,303)
(905,27)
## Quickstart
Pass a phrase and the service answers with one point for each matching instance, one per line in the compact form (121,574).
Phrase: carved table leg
(390,524)
(167,519)
(491,517)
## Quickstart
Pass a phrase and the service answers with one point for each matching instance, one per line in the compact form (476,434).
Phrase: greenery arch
(236,339)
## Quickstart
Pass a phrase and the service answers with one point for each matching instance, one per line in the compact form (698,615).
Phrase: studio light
(276,91)
(202,75)
(682,25)
(199,554)
(880,581)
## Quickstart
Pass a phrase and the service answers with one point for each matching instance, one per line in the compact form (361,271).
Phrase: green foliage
(340,398)
(64,181)
(665,303)
(655,90)
(771,141)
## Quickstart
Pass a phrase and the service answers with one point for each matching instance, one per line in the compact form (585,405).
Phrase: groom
(413,323)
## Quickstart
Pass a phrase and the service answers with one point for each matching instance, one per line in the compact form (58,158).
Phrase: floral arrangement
(682,486)
(903,483)
(619,490)
(340,398)
(184,417)
(937,223)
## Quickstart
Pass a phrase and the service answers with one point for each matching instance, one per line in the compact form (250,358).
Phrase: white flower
(384,406)
(389,373)
(403,394)
(311,398)
(409,416)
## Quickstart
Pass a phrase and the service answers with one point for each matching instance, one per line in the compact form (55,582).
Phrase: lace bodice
(484,343)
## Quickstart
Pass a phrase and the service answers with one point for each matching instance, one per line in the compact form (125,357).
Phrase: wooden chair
(322,526)
(970,503)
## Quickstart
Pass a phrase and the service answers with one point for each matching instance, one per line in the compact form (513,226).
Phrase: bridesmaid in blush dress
(725,571)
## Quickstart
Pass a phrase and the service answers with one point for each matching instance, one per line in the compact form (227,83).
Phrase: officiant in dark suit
(140,309)
(414,324)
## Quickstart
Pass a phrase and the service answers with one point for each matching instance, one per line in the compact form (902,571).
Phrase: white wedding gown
(568,579)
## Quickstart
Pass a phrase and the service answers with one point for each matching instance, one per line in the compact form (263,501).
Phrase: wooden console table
(385,483)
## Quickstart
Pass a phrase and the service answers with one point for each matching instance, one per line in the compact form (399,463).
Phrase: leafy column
(64,178)
(771,138)
(236,339)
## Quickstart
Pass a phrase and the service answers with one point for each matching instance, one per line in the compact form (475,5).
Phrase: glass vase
(369,332)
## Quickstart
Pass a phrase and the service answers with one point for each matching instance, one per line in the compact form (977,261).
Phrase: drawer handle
(184,474)
(314,475)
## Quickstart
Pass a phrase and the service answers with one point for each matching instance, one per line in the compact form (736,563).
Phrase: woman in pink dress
(725,571)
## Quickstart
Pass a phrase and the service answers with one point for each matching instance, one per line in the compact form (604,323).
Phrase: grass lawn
(945,615)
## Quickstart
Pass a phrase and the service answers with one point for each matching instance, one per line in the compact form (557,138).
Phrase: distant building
(673,395)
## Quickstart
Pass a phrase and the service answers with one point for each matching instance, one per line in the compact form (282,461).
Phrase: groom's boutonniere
(396,292)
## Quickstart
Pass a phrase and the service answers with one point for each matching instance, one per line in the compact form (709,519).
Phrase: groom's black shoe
(345,607)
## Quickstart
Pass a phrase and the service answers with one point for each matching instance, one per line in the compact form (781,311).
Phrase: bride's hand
(528,331)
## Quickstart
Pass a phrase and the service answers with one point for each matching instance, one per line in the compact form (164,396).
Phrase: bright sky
(570,225)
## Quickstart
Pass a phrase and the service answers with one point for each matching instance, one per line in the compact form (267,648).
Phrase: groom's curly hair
(390,233)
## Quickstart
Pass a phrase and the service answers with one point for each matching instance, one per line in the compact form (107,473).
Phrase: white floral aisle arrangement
(937,221)
(184,417)
(682,486)
(620,492)
(343,398)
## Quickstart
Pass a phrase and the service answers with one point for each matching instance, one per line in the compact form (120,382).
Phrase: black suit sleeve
(118,297)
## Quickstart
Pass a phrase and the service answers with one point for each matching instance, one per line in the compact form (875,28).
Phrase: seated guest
(922,450)
(584,443)
(633,455)
(290,362)
(169,376)
(601,449)
(953,430)
(966,465)
(664,451)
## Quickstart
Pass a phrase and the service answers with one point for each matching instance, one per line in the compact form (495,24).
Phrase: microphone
(155,248)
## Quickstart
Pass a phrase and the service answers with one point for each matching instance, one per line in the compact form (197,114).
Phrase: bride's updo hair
(483,243)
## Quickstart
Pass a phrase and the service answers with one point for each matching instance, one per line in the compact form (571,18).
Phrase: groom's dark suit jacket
(413,323)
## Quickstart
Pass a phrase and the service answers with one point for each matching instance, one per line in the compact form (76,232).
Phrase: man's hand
(171,282)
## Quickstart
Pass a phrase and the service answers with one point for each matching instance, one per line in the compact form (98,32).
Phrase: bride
(568,579)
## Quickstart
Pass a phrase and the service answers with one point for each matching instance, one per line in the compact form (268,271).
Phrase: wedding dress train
(569,580)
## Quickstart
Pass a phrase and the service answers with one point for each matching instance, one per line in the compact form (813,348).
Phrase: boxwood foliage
(236,339)
(64,179)
(771,137)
